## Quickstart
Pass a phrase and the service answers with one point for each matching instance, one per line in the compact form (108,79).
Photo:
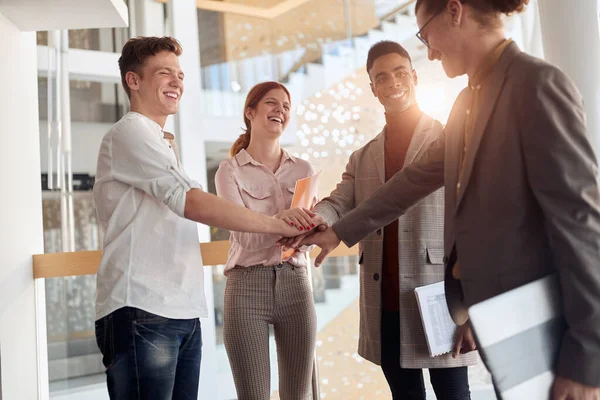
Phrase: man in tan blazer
(522,199)
(408,252)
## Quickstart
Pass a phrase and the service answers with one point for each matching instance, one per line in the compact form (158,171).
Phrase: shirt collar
(488,64)
(288,156)
(243,158)
(152,122)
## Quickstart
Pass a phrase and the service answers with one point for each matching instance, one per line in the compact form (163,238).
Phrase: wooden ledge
(78,263)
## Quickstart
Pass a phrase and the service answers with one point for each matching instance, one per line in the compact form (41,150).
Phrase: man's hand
(326,240)
(566,389)
(464,341)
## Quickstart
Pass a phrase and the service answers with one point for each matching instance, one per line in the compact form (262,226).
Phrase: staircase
(342,59)
(227,84)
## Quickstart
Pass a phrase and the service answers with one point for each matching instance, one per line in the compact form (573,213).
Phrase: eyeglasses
(421,38)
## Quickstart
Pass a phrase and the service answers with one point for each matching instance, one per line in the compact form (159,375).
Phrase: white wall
(20,213)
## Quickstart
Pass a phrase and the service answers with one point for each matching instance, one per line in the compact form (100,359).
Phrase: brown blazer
(528,204)
(420,249)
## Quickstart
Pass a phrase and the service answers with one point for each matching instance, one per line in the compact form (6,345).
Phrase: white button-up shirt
(151,254)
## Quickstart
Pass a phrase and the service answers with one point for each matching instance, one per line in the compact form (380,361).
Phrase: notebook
(519,335)
(305,194)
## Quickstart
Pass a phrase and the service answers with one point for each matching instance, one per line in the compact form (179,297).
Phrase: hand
(301,218)
(464,341)
(283,228)
(326,240)
(566,389)
(294,242)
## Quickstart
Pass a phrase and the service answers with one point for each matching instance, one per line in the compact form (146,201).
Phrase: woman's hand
(294,242)
(301,218)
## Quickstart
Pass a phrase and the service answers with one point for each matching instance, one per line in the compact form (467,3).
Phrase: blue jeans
(148,356)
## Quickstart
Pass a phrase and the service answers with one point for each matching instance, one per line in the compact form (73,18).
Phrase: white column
(183,20)
(21,233)
(571,40)
(148,18)
(107,90)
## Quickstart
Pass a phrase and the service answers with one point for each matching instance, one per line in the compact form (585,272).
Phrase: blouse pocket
(257,198)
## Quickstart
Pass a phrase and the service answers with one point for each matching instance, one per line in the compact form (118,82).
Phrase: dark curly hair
(383,48)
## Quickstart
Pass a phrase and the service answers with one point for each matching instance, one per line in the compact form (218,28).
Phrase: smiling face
(157,89)
(393,82)
(271,115)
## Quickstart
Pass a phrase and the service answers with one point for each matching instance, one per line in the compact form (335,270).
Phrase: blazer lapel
(490,93)
(377,152)
(454,143)
(418,139)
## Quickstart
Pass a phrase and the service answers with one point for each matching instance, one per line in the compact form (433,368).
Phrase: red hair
(255,95)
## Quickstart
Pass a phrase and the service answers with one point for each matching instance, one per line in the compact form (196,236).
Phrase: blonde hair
(255,95)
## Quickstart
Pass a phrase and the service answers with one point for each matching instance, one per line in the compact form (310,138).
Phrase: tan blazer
(420,249)
(528,204)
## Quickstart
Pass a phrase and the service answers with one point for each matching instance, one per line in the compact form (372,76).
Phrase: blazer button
(445,259)
(376,276)
(379,231)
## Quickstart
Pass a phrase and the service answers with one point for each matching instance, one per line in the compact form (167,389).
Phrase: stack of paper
(437,323)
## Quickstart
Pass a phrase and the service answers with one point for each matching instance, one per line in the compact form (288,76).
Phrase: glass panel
(90,101)
(240,51)
(73,357)
(106,39)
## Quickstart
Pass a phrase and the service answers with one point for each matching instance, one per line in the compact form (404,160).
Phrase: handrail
(56,265)
(310,56)
(397,10)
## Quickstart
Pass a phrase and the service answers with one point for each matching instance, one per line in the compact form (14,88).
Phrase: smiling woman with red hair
(264,286)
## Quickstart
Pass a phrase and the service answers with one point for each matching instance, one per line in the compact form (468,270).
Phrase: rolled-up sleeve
(141,159)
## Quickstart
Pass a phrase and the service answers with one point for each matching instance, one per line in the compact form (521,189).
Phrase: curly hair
(483,6)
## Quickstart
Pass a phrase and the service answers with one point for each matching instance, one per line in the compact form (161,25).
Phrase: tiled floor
(343,374)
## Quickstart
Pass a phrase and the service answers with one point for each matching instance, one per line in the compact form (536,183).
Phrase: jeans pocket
(157,342)
(105,340)
(144,317)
